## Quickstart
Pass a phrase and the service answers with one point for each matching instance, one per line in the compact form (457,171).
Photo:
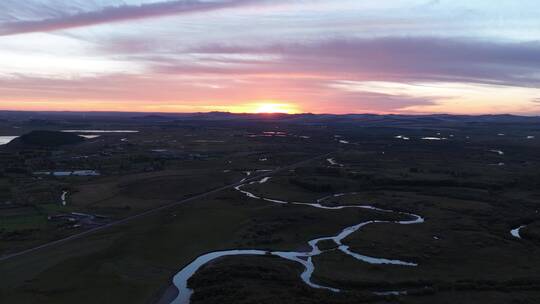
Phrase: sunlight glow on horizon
(262,107)
(276,108)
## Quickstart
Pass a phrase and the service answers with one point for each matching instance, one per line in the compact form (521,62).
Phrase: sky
(317,56)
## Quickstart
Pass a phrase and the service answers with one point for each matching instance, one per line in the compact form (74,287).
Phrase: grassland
(464,250)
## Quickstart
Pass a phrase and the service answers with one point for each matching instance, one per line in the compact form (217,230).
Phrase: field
(470,183)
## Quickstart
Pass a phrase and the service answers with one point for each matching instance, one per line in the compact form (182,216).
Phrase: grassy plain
(470,197)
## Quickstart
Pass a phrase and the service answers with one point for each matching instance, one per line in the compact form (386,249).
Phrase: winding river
(180,280)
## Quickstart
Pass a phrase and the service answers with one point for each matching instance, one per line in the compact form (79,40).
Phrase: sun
(283,108)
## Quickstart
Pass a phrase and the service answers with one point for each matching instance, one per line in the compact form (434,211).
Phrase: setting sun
(276,108)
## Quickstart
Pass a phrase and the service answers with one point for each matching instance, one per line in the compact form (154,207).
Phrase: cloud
(119,13)
(143,93)
(501,76)
(384,59)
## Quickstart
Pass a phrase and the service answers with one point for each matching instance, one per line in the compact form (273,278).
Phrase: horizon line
(260,114)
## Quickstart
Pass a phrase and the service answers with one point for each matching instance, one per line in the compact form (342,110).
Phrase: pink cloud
(302,74)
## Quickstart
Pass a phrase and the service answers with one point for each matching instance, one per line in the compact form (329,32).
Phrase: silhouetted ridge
(47,139)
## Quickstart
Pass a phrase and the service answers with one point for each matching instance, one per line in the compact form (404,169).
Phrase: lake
(4,140)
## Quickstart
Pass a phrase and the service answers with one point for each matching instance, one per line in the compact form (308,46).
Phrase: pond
(4,140)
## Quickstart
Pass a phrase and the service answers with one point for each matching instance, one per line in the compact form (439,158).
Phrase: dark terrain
(472,178)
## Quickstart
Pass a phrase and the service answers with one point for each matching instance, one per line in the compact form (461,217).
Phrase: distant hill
(59,119)
(46,139)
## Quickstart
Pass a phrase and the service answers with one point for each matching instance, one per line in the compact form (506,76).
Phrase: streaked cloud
(452,97)
(111,14)
(387,59)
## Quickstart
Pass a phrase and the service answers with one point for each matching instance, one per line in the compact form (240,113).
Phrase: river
(304,258)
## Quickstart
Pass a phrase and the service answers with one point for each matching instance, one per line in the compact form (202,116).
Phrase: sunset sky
(319,56)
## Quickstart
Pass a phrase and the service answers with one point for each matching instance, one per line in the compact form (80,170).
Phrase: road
(156,210)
